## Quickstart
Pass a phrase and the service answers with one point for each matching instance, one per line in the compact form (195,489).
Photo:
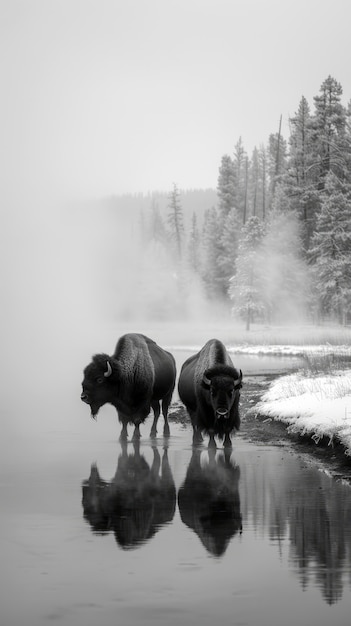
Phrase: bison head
(223,383)
(97,385)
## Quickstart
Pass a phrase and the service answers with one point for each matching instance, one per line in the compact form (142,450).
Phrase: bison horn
(206,380)
(109,370)
(237,382)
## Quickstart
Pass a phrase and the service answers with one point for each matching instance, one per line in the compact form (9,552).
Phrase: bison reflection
(135,503)
(209,501)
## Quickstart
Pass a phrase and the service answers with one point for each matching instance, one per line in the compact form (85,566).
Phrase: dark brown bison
(136,503)
(209,386)
(139,375)
(209,500)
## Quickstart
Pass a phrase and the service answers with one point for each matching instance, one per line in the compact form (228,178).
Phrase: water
(162,533)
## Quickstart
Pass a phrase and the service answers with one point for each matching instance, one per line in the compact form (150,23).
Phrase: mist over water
(74,278)
(77,275)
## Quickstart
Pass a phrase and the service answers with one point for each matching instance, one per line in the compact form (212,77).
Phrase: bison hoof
(227,443)
(153,433)
(166,431)
(197,437)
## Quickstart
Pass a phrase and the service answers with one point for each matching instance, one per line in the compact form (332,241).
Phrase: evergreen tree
(329,130)
(157,226)
(302,171)
(212,251)
(226,186)
(277,151)
(245,287)
(229,247)
(262,159)
(240,179)
(194,246)
(175,219)
(331,249)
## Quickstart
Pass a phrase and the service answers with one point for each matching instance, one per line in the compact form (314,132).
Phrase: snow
(292,350)
(317,405)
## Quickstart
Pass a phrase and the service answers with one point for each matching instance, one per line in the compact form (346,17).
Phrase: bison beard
(138,376)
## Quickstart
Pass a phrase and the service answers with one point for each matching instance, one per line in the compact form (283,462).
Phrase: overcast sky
(115,96)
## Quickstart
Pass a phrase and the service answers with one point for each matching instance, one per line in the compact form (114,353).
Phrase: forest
(272,243)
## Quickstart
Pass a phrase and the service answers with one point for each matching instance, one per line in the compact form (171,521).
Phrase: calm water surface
(161,533)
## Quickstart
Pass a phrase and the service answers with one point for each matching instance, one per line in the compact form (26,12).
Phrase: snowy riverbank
(312,403)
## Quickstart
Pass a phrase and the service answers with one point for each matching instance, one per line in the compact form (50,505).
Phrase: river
(161,533)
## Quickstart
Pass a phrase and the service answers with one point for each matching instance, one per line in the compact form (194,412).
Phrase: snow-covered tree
(175,219)
(226,186)
(331,249)
(229,242)
(194,245)
(277,152)
(240,168)
(302,170)
(245,288)
(329,130)
(212,251)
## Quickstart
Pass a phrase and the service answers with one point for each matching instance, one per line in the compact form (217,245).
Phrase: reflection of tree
(320,516)
(310,508)
(209,501)
(135,503)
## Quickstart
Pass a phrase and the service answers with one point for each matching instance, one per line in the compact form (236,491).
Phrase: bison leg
(212,442)
(197,437)
(227,441)
(124,433)
(165,406)
(136,434)
(156,409)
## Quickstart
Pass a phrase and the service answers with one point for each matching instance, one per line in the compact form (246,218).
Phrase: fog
(74,278)
(77,275)
(76,272)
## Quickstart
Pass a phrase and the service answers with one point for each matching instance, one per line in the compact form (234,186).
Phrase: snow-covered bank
(293,350)
(317,405)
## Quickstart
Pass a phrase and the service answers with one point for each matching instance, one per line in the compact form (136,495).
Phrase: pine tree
(194,245)
(245,287)
(212,275)
(240,179)
(226,186)
(302,170)
(175,219)
(277,151)
(229,247)
(329,130)
(157,226)
(331,249)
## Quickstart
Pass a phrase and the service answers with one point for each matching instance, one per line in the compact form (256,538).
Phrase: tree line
(278,240)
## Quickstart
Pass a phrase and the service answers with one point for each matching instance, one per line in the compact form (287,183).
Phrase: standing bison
(209,386)
(138,376)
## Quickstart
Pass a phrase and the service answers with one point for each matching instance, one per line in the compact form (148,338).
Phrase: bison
(209,499)
(138,376)
(209,386)
(136,503)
